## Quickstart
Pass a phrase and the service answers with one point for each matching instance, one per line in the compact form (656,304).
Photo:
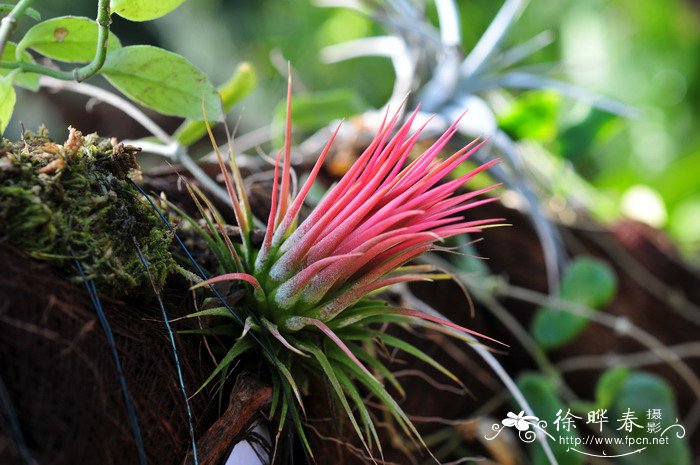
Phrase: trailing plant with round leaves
(312,284)
(150,76)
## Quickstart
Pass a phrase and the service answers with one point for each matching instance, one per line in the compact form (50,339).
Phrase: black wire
(176,359)
(267,346)
(15,427)
(92,291)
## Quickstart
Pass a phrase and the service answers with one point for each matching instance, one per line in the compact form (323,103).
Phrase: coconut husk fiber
(61,379)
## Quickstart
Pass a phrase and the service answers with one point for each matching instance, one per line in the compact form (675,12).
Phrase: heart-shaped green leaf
(163,81)
(66,38)
(143,10)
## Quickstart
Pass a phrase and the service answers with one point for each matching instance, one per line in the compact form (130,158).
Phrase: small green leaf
(66,38)
(236,89)
(217,311)
(640,393)
(587,281)
(5,8)
(609,385)
(533,115)
(7,101)
(241,346)
(392,341)
(163,81)
(314,111)
(370,429)
(27,80)
(143,10)
(335,384)
(545,403)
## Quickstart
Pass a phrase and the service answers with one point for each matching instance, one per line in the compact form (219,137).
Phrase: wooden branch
(248,397)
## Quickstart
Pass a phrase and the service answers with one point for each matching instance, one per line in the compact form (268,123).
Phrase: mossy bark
(76,201)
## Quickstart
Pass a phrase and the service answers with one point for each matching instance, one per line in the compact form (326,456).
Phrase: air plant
(312,285)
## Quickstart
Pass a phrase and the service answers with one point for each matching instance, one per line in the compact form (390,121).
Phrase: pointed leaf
(250,279)
(392,341)
(440,321)
(277,335)
(378,390)
(163,81)
(241,346)
(335,384)
(217,311)
(360,405)
(284,371)
(236,89)
(374,363)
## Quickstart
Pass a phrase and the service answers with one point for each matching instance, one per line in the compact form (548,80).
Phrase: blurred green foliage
(541,394)
(588,282)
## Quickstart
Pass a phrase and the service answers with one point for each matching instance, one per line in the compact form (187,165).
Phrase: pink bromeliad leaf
(394,204)
(250,279)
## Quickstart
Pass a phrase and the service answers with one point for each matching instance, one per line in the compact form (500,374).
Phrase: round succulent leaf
(587,281)
(639,395)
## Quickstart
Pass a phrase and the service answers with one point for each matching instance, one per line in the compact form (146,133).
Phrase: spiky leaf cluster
(312,283)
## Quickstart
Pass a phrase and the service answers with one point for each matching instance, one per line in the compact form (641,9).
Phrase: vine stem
(103,20)
(8,23)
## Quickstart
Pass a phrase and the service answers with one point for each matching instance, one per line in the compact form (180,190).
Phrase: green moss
(59,201)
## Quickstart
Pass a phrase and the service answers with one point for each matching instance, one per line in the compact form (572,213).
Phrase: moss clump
(75,200)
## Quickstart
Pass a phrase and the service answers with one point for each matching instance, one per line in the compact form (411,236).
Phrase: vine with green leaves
(150,76)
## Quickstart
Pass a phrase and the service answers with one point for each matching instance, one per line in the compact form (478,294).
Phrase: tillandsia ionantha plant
(312,284)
